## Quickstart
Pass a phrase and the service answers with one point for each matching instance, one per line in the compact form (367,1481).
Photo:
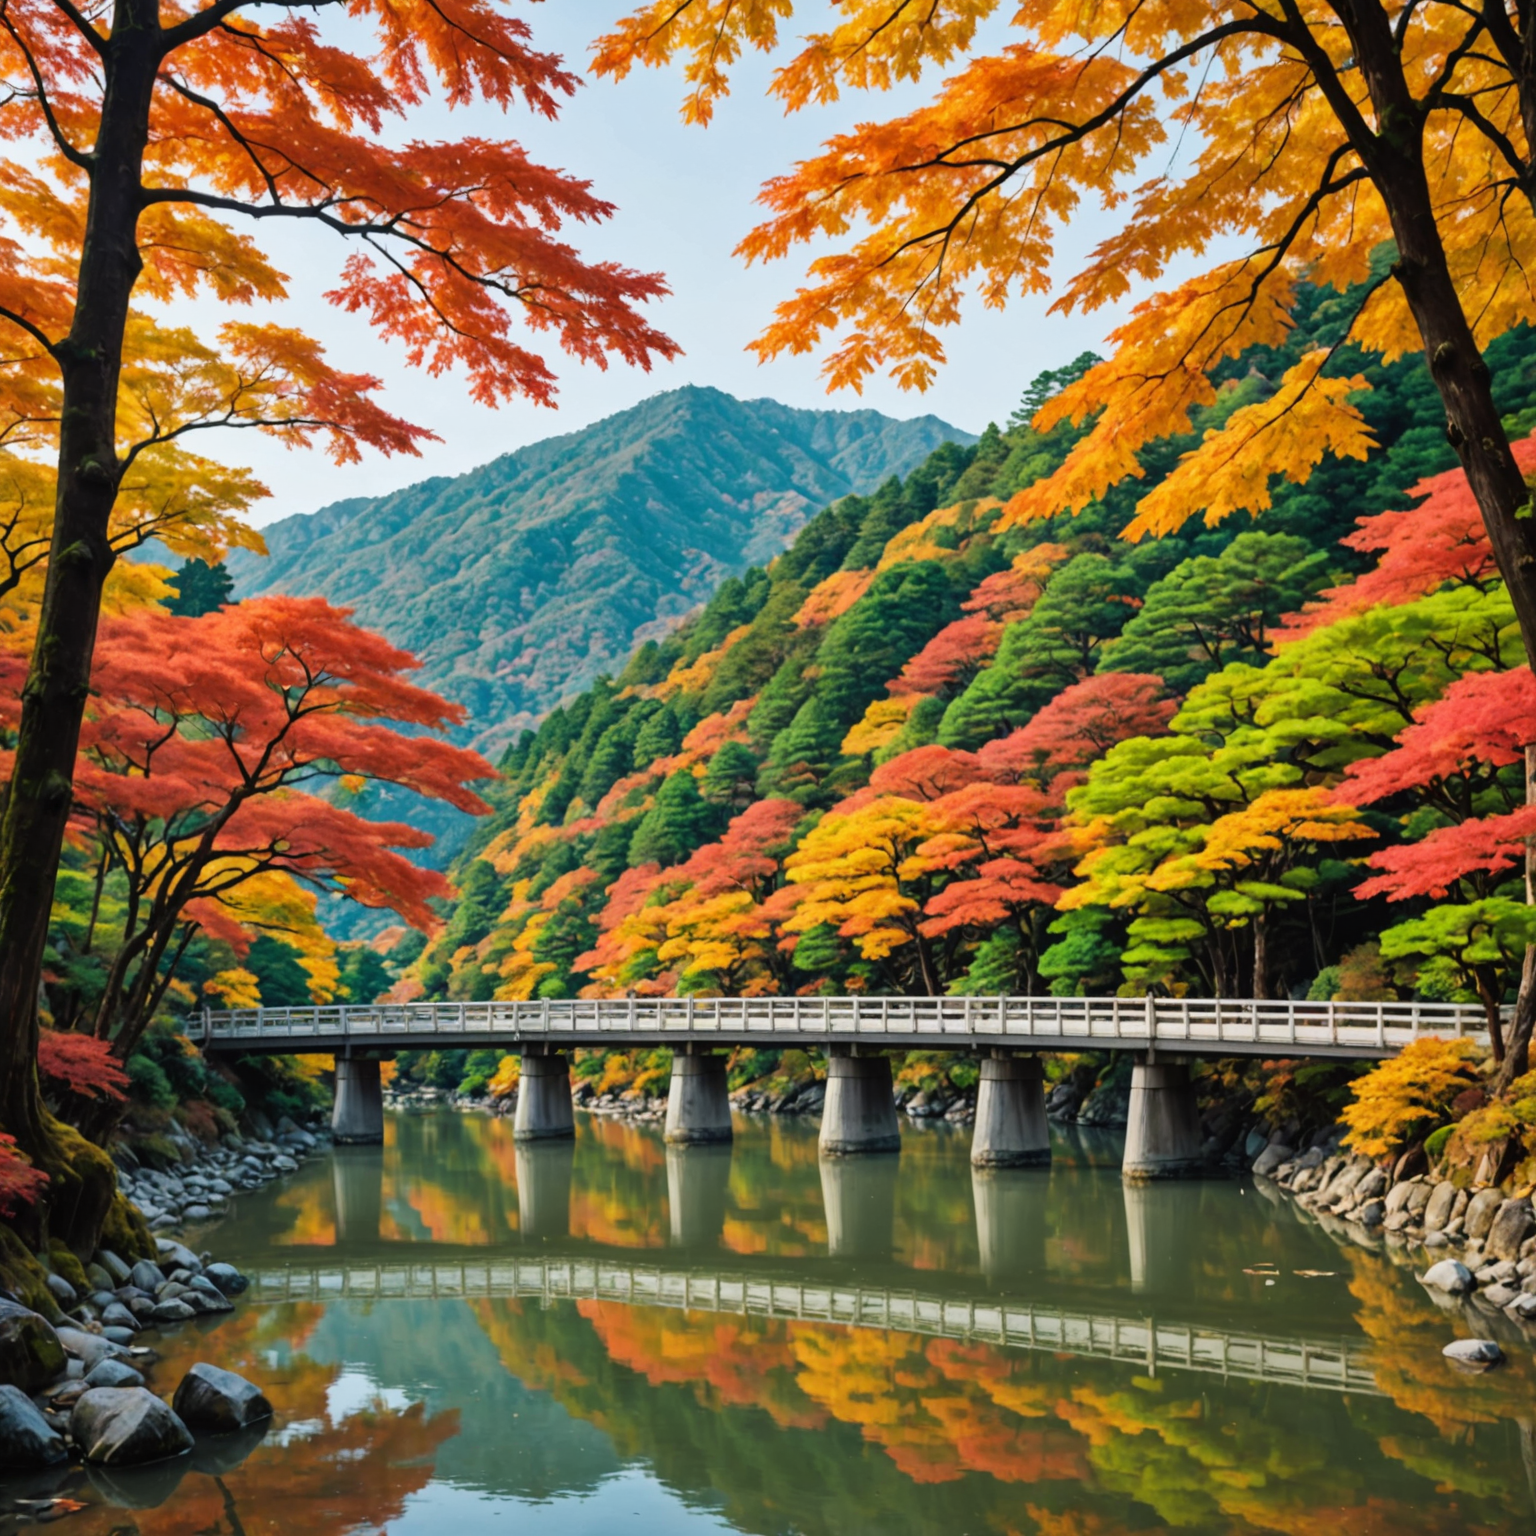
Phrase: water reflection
(435,1411)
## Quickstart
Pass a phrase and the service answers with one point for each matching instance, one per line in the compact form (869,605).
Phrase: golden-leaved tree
(150,137)
(1380,146)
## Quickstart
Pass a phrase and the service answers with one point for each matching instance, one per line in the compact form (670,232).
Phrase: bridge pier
(1162,1134)
(544,1098)
(358,1116)
(544,1187)
(860,1111)
(698,1103)
(1011,1128)
(698,1184)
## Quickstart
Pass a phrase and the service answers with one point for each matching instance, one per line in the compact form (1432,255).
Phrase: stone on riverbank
(31,1352)
(1448,1275)
(174,1310)
(112,1373)
(1483,1208)
(87,1348)
(27,1440)
(1442,1200)
(1476,1354)
(228,1279)
(1271,1158)
(147,1276)
(212,1401)
(1511,1226)
(126,1427)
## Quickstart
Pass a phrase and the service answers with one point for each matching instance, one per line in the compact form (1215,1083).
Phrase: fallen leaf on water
(1262,1269)
(1316,1274)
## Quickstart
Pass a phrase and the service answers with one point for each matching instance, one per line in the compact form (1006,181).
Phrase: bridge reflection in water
(859,1198)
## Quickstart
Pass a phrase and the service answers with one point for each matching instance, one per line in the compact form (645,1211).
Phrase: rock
(1373,1184)
(62,1291)
(101,1279)
(1418,1200)
(285,1164)
(31,1353)
(181,1256)
(27,1440)
(113,1265)
(1397,1197)
(1436,1240)
(1271,1158)
(1481,1210)
(1497,1294)
(1449,1276)
(211,1401)
(1371,1214)
(1255,1143)
(1511,1226)
(87,1348)
(146,1275)
(1437,1213)
(173,1311)
(126,1427)
(227,1278)
(1477,1353)
(113,1373)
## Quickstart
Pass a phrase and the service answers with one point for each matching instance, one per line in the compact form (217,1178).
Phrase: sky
(685,196)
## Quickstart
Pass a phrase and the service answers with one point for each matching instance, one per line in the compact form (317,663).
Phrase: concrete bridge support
(860,1111)
(544,1187)
(698,1105)
(1162,1134)
(358,1116)
(698,1183)
(1011,1128)
(859,1198)
(544,1098)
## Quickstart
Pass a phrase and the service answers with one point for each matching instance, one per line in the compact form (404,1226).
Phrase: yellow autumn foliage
(1406,1097)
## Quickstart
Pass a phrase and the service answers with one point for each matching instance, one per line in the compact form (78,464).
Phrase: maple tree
(202,750)
(156,134)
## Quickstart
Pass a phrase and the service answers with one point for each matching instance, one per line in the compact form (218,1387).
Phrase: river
(464,1336)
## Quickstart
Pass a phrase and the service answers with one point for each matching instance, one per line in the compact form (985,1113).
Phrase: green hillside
(927,750)
(518,583)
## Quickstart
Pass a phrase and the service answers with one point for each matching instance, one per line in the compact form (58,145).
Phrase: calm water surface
(464,1336)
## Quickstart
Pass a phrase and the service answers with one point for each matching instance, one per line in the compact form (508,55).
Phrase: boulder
(1511,1226)
(126,1427)
(173,1311)
(211,1401)
(1397,1197)
(27,1440)
(1271,1158)
(146,1275)
(31,1354)
(62,1291)
(1498,1294)
(87,1348)
(116,1315)
(1437,1213)
(113,1373)
(228,1279)
(1476,1353)
(113,1265)
(1372,1185)
(1450,1276)
(1481,1210)
(181,1257)
(1371,1214)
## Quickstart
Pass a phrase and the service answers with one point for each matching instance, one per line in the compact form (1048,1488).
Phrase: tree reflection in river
(779,1425)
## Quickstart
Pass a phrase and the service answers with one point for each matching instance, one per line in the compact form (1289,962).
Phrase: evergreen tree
(1211,611)
(660,736)
(675,825)
(284,983)
(731,775)
(803,754)
(200,588)
(364,975)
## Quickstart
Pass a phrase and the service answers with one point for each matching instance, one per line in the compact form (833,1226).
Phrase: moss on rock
(126,1232)
(66,1264)
(24,1277)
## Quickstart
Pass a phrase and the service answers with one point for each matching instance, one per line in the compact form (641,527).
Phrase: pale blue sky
(685,198)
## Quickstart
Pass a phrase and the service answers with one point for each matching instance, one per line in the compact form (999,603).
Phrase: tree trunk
(1517,1060)
(1260,957)
(80,556)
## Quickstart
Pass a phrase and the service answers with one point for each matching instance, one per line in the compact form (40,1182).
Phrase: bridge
(1163,1137)
(1337,1366)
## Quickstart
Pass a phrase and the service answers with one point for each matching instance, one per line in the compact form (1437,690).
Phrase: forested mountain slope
(933,748)
(519,582)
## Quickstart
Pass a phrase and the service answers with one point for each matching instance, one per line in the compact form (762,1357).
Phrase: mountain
(520,582)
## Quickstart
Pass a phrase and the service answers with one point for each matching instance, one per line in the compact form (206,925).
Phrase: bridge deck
(1338,1366)
(1196,1026)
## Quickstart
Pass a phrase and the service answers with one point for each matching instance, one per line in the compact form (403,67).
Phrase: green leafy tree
(679,821)
(283,981)
(1212,610)
(660,736)
(364,975)
(200,588)
(731,776)
(804,754)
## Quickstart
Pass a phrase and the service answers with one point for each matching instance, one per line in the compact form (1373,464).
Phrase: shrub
(147,1083)
(1408,1096)
(1434,1144)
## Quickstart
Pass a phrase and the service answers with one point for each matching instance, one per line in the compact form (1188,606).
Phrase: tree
(199,755)
(164,132)
(1211,610)
(675,825)
(1325,136)
(200,588)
